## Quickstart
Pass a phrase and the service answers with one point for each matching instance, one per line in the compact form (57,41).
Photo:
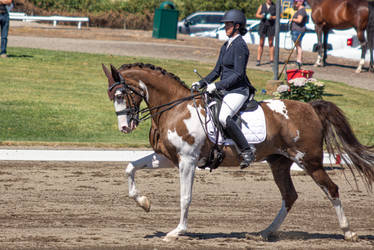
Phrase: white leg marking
(359,68)
(188,155)
(343,221)
(152,161)
(187,173)
(318,62)
(274,226)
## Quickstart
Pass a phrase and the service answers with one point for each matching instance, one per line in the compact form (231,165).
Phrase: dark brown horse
(295,132)
(344,14)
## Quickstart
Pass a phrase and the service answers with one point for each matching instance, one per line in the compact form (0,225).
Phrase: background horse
(344,14)
(295,133)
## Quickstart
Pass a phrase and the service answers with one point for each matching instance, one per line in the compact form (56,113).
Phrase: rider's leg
(231,104)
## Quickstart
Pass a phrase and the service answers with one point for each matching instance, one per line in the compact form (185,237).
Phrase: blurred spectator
(298,29)
(5,6)
(267,13)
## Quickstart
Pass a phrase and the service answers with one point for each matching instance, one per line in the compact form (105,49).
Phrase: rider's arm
(216,72)
(238,73)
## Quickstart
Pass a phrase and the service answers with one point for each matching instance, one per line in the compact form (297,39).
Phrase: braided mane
(153,67)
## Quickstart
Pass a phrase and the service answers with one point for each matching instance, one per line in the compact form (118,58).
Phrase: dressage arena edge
(97,156)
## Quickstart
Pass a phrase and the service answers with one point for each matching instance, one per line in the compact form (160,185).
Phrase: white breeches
(231,104)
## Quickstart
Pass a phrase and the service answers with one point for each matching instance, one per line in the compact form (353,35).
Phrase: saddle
(214,103)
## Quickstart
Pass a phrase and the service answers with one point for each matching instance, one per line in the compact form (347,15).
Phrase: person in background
(267,13)
(4,25)
(298,29)
(231,69)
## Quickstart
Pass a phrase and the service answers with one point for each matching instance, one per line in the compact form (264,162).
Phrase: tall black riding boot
(246,151)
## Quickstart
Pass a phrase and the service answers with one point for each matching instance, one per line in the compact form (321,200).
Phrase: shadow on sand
(279,236)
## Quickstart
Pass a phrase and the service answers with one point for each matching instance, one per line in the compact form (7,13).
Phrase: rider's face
(229,26)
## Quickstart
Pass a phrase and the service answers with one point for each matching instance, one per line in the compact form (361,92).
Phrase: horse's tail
(339,138)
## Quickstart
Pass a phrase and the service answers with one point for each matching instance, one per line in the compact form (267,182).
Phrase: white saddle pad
(253,128)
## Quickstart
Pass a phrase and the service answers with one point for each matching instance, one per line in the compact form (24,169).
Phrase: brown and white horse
(296,132)
(344,14)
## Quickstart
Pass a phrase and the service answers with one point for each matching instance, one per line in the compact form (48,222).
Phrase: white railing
(23,17)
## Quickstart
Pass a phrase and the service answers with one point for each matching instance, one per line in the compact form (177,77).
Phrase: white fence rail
(23,17)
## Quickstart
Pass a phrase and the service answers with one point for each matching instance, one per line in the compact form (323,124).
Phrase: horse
(344,14)
(295,132)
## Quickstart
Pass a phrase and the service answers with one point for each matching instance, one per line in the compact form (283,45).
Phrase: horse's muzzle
(126,129)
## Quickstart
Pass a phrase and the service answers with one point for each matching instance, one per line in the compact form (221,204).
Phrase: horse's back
(339,14)
(291,122)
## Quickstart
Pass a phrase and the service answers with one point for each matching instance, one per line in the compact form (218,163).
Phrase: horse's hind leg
(363,42)
(151,161)
(332,192)
(280,167)
(319,32)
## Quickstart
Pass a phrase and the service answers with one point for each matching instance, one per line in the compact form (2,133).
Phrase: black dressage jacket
(231,67)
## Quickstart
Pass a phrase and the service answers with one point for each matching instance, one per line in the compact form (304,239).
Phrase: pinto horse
(295,132)
(344,14)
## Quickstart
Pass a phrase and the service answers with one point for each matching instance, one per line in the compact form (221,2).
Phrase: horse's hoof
(255,237)
(358,71)
(173,235)
(144,203)
(170,238)
(351,236)
(268,236)
(317,65)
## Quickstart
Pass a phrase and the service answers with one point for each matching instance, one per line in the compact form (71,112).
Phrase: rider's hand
(211,88)
(195,86)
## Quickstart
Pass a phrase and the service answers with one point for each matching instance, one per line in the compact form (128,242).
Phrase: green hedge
(185,7)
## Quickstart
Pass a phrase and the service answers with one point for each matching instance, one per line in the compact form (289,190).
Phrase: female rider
(231,68)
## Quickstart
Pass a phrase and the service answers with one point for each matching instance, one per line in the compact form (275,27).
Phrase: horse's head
(126,96)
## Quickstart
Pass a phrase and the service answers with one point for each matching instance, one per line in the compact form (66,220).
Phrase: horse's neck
(158,88)
(163,92)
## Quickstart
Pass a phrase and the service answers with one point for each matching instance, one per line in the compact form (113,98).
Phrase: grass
(49,97)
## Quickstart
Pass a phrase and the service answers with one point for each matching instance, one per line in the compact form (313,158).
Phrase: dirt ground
(71,205)
(140,43)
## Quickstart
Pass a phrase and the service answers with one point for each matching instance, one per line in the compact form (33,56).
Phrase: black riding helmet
(237,17)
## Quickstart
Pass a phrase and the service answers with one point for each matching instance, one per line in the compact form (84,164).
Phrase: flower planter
(297,73)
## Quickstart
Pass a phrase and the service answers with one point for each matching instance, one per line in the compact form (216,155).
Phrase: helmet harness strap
(234,30)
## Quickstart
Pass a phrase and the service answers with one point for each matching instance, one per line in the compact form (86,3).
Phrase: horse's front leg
(151,161)
(187,173)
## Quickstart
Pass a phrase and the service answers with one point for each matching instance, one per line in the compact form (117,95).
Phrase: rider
(231,68)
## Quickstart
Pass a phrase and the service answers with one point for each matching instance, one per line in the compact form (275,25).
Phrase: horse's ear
(115,74)
(108,75)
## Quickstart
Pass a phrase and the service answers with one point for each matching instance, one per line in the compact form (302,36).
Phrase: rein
(168,106)
(134,112)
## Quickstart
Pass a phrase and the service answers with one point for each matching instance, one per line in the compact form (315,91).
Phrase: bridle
(133,111)
(127,90)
